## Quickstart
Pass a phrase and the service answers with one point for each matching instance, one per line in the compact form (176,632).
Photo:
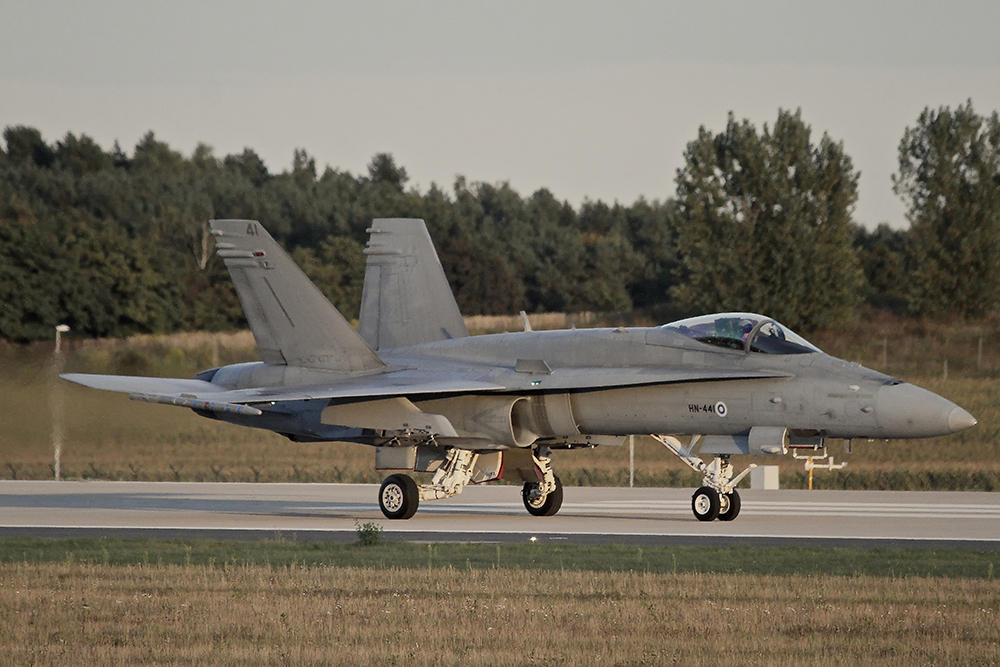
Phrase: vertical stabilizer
(292,322)
(406,299)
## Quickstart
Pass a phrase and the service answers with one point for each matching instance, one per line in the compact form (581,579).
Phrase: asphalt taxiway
(332,512)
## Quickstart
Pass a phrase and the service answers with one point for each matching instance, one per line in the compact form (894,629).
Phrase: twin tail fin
(406,298)
(293,323)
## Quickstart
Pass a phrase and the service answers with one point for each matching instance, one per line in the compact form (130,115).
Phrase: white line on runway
(552,534)
(673,507)
(774,503)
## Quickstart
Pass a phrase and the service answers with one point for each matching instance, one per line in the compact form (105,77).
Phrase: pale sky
(589,99)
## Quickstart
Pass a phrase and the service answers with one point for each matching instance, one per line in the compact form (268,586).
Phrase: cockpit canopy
(743,331)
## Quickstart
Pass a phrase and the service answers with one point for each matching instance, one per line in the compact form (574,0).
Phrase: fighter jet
(412,383)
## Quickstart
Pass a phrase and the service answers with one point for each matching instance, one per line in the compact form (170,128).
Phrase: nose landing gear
(717,498)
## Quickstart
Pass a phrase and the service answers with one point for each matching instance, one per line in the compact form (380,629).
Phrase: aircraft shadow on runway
(281,507)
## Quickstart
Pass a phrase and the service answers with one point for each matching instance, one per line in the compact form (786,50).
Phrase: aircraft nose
(960,420)
(906,411)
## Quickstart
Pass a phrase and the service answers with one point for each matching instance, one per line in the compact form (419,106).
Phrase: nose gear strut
(717,498)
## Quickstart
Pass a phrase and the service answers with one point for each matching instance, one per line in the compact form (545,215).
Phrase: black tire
(733,510)
(705,504)
(545,506)
(398,497)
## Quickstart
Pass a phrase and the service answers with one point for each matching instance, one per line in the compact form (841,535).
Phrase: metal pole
(631,461)
(58,362)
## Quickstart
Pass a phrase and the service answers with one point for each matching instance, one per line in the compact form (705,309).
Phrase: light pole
(60,330)
(631,461)
(57,400)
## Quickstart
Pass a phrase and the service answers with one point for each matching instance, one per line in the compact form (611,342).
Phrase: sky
(592,100)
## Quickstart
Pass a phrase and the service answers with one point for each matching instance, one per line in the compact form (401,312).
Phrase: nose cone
(959,420)
(907,411)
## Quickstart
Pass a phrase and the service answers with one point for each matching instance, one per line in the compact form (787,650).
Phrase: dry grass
(68,614)
(109,437)
(487,324)
(916,348)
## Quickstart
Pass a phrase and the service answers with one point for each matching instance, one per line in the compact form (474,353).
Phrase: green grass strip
(950,563)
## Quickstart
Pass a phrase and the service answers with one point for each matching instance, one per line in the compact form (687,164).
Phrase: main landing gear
(399,495)
(717,498)
(543,498)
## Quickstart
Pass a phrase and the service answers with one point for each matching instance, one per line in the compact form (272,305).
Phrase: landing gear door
(429,459)
(488,467)
(519,466)
(395,458)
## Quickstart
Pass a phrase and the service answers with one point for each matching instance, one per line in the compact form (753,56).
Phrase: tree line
(114,243)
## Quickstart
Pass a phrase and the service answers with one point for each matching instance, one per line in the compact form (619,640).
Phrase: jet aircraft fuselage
(430,398)
(809,392)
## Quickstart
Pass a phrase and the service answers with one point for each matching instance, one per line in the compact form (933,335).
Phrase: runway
(331,512)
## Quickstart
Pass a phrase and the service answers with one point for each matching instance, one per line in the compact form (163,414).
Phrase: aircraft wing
(143,385)
(408,382)
(398,383)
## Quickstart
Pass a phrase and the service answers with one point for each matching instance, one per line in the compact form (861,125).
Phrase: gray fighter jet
(412,383)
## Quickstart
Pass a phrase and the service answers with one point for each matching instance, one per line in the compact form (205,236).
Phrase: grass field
(374,550)
(287,603)
(106,436)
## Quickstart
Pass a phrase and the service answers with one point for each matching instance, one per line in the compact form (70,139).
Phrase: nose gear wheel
(729,506)
(705,504)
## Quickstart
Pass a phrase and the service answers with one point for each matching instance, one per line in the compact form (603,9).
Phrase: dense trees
(764,224)
(115,243)
(949,175)
(883,253)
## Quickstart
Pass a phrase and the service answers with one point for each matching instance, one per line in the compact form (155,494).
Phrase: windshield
(743,331)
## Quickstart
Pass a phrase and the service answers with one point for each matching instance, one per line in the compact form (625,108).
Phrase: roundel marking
(721,409)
